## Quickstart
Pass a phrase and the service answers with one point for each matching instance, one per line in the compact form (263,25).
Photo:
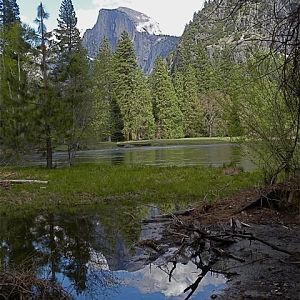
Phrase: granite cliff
(148,41)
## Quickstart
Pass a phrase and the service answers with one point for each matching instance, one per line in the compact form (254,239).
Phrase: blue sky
(172,15)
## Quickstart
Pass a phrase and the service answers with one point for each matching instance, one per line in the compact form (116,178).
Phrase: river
(92,254)
(209,154)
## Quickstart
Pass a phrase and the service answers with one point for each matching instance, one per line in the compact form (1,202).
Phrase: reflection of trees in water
(57,247)
(160,156)
(117,158)
(236,155)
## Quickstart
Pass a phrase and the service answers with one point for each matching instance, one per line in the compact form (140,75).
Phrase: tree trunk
(52,246)
(158,130)
(210,130)
(49,152)
(69,155)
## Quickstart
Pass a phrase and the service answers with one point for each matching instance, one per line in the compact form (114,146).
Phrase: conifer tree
(229,79)
(145,125)
(72,78)
(191,106)
(102,85)
(9,12)
(167,114)
(125,75)
(45,103)
(204,70)
(14,105)
(67,33)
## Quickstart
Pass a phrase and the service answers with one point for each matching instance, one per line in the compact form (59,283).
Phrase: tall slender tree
(145,124)
(67,33)
(125,75)
(186,87)
(102,85)
(72,78)
(45,103)
(13,79)
(167,114)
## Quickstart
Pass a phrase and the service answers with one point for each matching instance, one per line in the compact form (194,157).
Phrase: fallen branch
(22,181)
(177,213)
(193,287)
(254,238)
(221,252)
(156,220)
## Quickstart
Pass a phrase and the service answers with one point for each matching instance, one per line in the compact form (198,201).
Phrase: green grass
(119,185)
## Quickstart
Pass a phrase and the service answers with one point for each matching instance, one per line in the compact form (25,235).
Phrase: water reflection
(185,155)
(93,259)
(153,283)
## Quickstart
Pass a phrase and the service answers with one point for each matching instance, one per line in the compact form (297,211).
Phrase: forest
(52,94)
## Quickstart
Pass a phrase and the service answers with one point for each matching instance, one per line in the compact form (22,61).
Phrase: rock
(143,31)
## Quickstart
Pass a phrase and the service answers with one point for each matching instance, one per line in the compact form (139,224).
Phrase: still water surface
(90,251)
(181,155)
(92,257)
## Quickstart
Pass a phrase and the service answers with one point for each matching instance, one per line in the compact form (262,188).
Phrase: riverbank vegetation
(52,94)
(119,185)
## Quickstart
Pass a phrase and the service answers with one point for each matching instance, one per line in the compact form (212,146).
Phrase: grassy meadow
(88,184)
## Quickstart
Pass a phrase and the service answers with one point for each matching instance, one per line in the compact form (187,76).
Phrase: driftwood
(203,245)
(21,181)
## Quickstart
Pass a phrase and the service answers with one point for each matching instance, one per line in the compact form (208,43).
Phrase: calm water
(184,155)
(93,258)
(91,254)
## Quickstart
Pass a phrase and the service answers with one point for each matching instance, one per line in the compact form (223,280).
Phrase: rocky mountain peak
(142,22)
(145,33)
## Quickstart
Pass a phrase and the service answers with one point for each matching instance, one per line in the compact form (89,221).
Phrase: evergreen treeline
(51,94)
(44,81)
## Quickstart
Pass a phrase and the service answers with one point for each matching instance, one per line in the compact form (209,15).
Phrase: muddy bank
(252,238)
(266,273)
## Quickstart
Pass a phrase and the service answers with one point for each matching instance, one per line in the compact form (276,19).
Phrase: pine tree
(168,117)
(45,102)
(9,12)
(204,70)
(14,105)
(145,124)
(67,33)
(229,79)
(76,101)
(191,108)
(102,81)
(185,83)
(125,75)
(71,73)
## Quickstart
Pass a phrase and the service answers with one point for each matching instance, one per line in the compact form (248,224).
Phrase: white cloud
(155,280)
